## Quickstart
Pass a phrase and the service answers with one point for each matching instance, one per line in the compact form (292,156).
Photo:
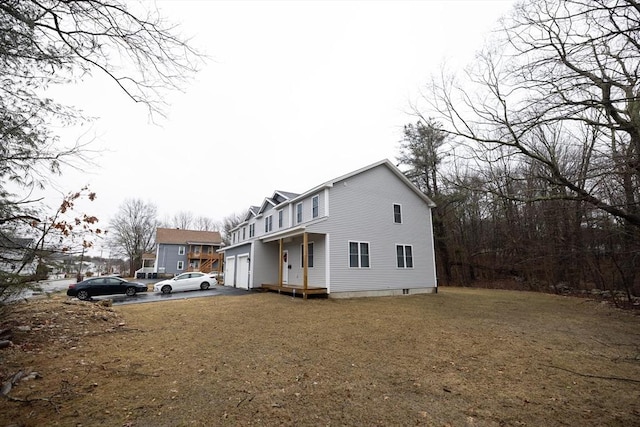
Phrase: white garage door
(230,271)
(243,271)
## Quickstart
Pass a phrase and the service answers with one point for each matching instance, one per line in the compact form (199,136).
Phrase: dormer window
(299,213)
(314,209)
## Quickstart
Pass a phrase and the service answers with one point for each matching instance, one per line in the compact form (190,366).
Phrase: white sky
(297,93)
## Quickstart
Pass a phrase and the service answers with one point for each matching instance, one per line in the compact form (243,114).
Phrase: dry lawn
(463,357)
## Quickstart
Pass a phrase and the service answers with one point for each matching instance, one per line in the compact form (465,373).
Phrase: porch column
(280,264)
(305,264)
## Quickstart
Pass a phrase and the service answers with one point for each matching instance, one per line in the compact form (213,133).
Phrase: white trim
(326,202)
(359,242)
(394,212)
(433,251)
(404,256)
(327,263)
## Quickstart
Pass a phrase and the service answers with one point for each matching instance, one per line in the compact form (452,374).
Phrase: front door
(285,267)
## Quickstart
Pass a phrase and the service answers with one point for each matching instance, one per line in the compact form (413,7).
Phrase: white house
(367,233)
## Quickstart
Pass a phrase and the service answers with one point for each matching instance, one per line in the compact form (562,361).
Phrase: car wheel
(166,289)
(83,295)
(204,286)
(131,291)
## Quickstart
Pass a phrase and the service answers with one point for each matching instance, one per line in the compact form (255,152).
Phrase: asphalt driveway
(149,296)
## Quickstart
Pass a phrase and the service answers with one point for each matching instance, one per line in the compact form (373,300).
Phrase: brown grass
(463,357)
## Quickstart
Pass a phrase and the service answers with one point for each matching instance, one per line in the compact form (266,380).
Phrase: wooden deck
(294,289)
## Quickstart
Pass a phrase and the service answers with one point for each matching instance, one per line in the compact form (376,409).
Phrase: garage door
(230,271)
(243,271)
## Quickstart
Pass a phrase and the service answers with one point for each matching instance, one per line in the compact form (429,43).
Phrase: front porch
(294,289)
(301,260)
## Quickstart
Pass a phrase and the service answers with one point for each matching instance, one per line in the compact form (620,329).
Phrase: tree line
(533,153)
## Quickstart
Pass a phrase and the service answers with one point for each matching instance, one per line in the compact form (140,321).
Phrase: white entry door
(285,267)
(243,271)
(230,271)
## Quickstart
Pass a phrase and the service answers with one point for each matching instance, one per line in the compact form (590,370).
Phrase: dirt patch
(462,357)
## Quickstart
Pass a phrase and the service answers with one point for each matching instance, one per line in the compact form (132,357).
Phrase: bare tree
(556,99)
(132,231)
(49,42)
(564,81)
(182,220)
(206,224)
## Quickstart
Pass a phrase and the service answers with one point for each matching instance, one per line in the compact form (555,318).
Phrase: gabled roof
(178,236)
(253,211)
(265,204)
(276,199)
(282,196)
(384,162)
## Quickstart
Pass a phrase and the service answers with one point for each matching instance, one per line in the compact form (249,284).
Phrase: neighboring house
(366,233)
(148,266)
(178,251)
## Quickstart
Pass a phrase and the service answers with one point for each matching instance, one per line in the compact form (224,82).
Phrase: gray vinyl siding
(307,208)
(362,210)
(264,264)
(317,273)
(168,258)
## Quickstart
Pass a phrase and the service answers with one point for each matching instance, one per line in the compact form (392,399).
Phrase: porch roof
(289,232)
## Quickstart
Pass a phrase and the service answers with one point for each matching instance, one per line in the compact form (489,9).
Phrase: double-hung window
(280,219)
(252,230)
(268,224)
(404,256)
(359,255)
(314,206)
(397,213)
(180,265)
(299,213)
(181,250)
(309,255)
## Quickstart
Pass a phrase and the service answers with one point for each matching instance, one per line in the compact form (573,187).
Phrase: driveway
(151,296)
(50,286)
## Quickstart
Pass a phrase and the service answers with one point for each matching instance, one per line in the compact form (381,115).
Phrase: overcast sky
(296,93)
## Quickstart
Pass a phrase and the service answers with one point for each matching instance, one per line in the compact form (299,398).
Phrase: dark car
(104,286)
